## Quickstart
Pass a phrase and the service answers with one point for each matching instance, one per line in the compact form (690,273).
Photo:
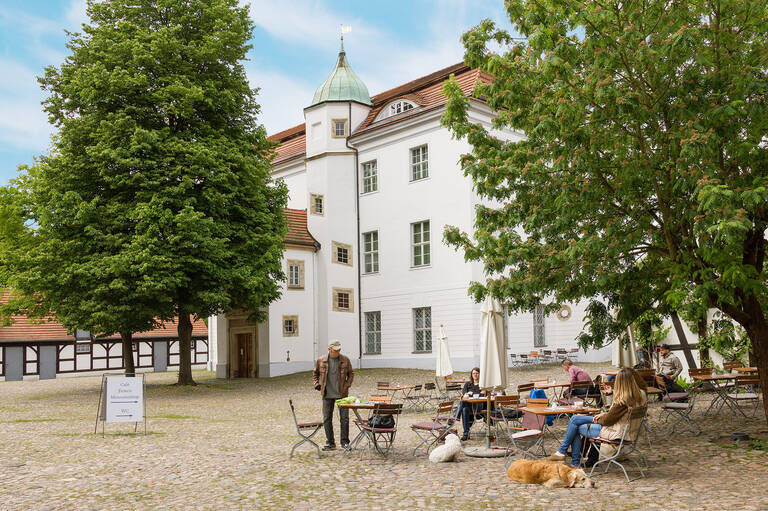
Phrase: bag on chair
(382,421)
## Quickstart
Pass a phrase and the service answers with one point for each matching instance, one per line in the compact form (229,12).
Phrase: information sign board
(124,399)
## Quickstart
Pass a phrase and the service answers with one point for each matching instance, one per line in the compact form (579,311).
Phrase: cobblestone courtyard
(225,444)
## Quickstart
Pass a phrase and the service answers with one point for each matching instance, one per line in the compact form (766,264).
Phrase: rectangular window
(422,330)
(419,163)
(420,243)
(341,253)
(82,347)
(316,206)
(371,251)
(343,300)
(370,177)
(339,128)
(290,326)
(538,326)
(295,274)
(373,332)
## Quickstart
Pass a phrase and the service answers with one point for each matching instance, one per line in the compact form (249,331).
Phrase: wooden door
(244,356)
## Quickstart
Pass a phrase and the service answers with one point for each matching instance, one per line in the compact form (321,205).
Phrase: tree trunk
(185,355)
(683,340)
(130,367)
(701,328)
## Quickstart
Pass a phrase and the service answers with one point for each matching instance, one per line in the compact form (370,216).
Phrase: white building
(376,179)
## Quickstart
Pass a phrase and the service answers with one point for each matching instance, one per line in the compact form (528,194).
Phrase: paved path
(224,445)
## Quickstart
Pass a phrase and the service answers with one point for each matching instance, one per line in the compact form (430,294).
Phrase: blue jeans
(577,427)
(467,412)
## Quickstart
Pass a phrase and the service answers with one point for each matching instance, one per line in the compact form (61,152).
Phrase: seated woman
(467,411)
(626,394)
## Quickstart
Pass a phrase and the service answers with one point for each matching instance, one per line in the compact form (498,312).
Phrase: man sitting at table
(670,368)
(576,373)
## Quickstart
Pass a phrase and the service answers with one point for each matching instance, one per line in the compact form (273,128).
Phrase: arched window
(394,108)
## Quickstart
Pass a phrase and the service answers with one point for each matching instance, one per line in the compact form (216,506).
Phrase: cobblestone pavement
(225,444)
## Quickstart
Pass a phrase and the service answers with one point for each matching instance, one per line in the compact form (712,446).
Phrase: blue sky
(295,44)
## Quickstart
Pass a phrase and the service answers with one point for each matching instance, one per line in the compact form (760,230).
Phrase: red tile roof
(425,91)
(298,235)
(24,329)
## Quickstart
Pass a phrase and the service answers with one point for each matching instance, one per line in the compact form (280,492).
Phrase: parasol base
(484,452)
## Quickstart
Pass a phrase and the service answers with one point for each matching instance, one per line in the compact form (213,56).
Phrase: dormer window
(394,108)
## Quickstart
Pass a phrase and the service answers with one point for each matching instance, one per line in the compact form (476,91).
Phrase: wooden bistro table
(405,389)
(355,407)
(557,387)
(548,411)
(721,391)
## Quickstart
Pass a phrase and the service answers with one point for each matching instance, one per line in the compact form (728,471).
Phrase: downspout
(359,258)
(315,353)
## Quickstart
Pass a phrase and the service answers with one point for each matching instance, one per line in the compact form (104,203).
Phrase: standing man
(670,368)
(333,376)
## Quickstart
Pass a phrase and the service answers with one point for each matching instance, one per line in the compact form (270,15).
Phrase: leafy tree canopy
(642,181)
(156,199)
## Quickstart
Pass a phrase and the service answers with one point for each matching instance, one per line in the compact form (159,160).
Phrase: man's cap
(663,347)
(334,344)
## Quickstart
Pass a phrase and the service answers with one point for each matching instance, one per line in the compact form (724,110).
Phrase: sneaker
(329,447)
(345,445)
(556,457)
(464,437)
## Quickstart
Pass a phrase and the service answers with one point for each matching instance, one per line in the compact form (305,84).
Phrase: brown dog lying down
(549,473)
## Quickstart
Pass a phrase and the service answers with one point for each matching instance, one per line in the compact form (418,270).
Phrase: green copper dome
(342,85)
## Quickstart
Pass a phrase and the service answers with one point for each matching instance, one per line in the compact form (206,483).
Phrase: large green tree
(155,201)
(643,181)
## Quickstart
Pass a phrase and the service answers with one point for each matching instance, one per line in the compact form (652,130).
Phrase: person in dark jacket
(467,411)
(333,377)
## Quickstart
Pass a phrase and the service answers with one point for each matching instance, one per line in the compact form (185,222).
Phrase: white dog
(449,451)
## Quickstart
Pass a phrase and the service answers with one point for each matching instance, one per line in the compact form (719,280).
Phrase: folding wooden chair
(380,439)
(306,431)
(526,440)
(524,388)
(381,399)
(505,413)
(432,432)
(573,354)
(745,391)
(682,413)
(670,396)
(430,394)
(625,446)
(414,398)
(730,366)
(524,359)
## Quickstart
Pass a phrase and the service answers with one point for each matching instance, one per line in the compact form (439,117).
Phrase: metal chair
(432,432)
(430,394)
(380,439)
(306,431)
(625,446)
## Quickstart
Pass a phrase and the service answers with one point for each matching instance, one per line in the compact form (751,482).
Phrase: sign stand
(121,399)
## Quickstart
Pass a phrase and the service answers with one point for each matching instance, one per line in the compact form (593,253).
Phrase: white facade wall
(296,353)
(443,198)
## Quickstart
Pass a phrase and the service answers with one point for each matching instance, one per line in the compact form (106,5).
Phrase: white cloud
(305,22)
(282,97)
(23,124)
(76,14)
